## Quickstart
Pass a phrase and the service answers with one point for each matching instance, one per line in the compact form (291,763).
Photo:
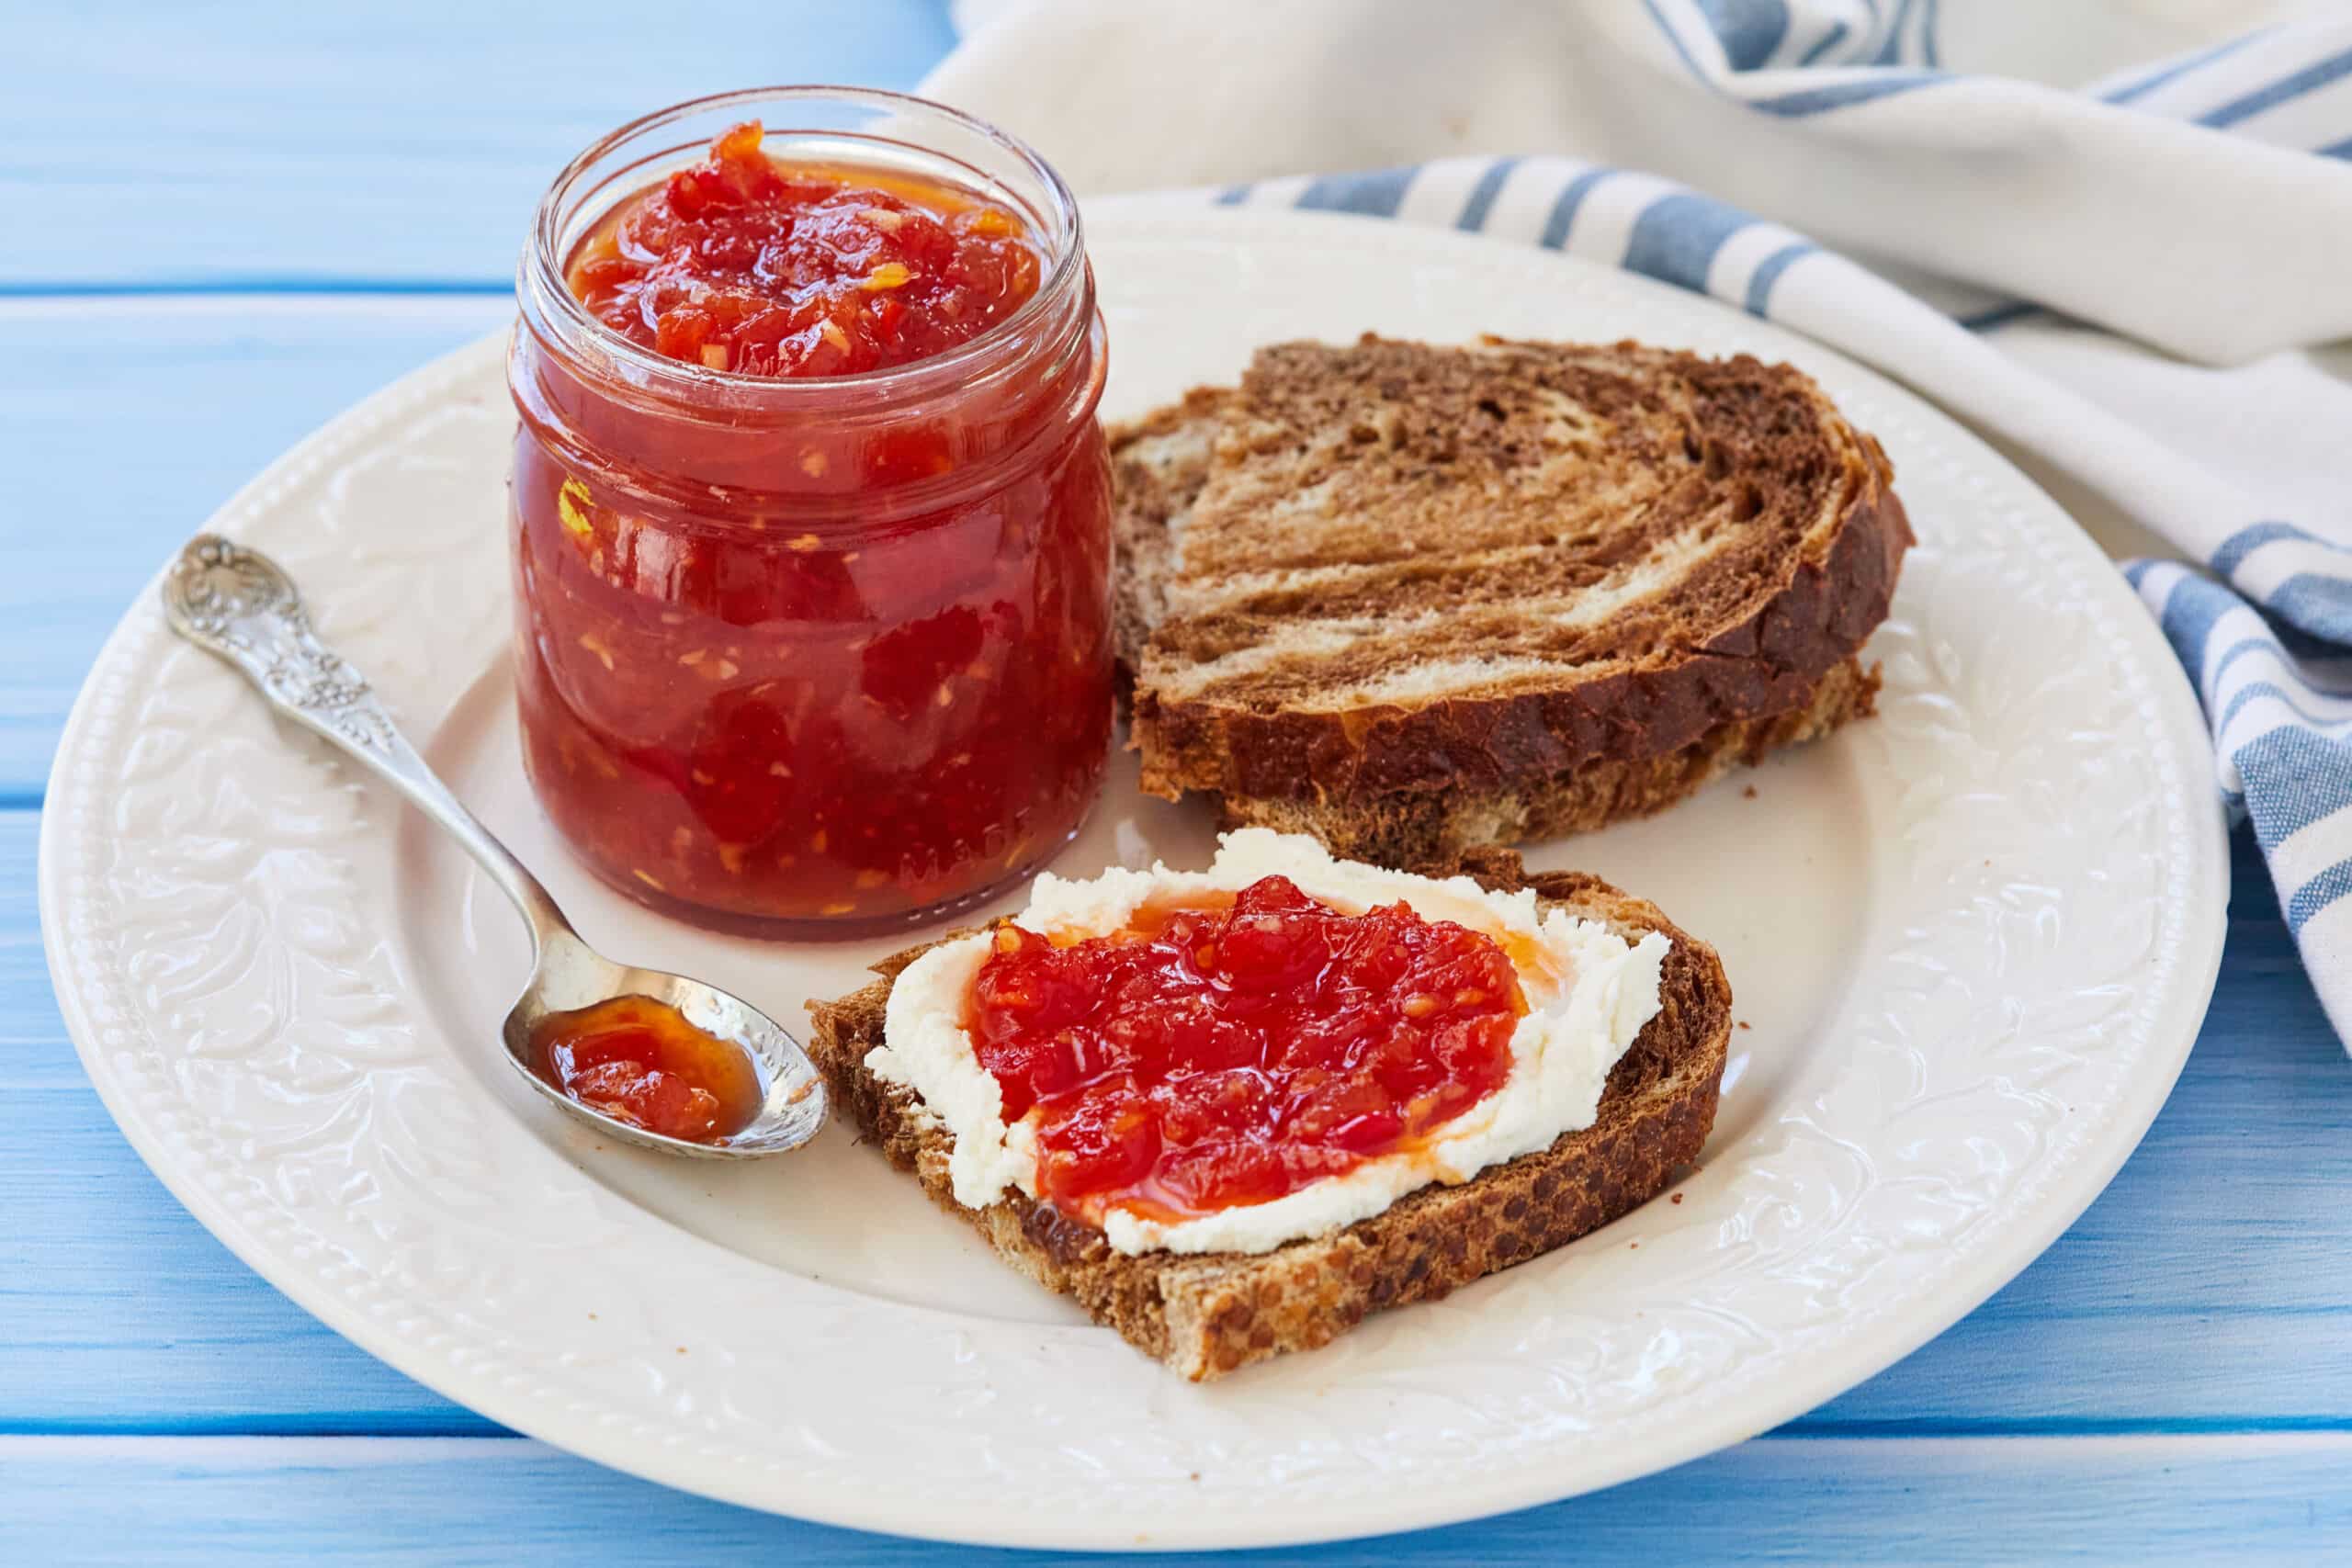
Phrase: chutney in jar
(812,519)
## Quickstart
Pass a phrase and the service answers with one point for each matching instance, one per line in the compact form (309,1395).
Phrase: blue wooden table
(222,224)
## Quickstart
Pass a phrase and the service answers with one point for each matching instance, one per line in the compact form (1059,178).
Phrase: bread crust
(1377,757)
(1408,828)
(1206,1315)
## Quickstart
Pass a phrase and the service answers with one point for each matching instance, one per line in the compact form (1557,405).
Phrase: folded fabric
(2031,149)
(2165,203)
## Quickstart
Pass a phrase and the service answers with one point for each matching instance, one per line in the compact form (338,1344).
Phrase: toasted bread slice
(1205,1314)
(1410,598)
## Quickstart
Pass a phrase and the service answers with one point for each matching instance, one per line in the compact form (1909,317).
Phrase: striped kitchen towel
(2025,242)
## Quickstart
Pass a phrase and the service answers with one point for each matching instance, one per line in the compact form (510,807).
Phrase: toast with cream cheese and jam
(1409,599)
(1509,1178)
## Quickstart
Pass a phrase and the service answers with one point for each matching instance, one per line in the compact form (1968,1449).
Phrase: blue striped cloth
(2202,203)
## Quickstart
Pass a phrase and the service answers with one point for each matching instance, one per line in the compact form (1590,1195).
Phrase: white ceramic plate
(1970,943)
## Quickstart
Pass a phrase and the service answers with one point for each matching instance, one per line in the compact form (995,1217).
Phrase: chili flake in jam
(822,643)
(642,1062)
(1204,1059)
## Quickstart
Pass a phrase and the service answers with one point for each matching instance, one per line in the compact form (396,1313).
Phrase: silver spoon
(238,603)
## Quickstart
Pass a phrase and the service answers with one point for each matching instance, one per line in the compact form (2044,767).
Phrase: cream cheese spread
(1588,993)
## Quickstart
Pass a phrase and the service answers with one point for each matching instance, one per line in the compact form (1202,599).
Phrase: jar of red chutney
(811,512)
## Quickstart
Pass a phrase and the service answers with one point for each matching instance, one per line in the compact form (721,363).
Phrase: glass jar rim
(542,279)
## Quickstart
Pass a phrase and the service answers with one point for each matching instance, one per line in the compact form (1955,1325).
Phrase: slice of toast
(1205,1314)
(1410,598)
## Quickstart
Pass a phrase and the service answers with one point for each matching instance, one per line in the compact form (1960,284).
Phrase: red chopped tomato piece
(1105,1140)
(740,804)
(913,667)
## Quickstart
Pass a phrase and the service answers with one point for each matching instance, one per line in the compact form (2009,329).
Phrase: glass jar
(813,656)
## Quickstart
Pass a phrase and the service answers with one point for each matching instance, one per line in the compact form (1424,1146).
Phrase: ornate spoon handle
(240,604)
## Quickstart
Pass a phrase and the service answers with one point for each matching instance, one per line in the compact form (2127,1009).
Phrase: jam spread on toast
(1204,1057)
(641,1061)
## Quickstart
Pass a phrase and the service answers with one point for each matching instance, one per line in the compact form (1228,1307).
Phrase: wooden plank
(124,1313)
(134,419)
(2209,1282)
(301,143)
(2205,1289)
(2281,1498)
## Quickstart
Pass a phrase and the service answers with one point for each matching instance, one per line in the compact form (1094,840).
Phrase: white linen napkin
(2117,238)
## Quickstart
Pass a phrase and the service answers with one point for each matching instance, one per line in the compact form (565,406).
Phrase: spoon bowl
(570,975)
(239,605)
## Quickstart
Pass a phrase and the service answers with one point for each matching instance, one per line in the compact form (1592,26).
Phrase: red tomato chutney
(740,263)
(1205,1059)
(813,537)
(640,1061)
